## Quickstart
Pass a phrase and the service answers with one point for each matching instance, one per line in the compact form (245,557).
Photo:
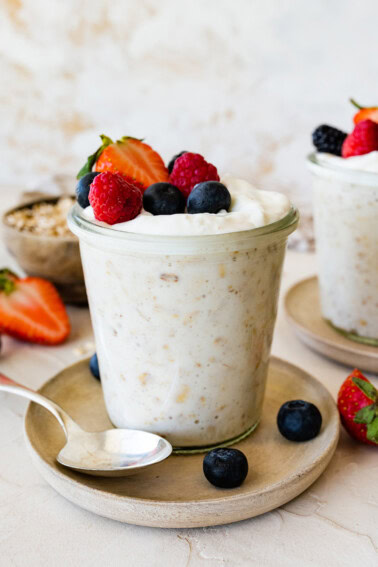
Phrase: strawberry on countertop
(357,402)
(31,310)
(135,160)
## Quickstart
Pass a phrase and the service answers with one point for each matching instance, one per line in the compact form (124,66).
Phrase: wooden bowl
(55,258)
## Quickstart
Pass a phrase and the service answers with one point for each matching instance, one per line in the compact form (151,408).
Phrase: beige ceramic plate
(174,493)
(302,306)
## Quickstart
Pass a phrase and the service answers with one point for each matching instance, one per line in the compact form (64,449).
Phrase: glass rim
(79,221)
(355,176)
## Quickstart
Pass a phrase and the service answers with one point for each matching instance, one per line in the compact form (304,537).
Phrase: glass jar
(183,326)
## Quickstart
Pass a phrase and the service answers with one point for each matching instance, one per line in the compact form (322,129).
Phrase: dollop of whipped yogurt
(365,162)
(250,208)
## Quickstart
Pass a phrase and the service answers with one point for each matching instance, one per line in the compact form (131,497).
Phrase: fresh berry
(362,140)
(113,199)
(209,197)
(299,421)
(328,139)
(31,310)
(357,402)
(190,169)
(135,160)
(83,187)
(163,199)
(225,468)
(173,160)
(93,366)
(365,112)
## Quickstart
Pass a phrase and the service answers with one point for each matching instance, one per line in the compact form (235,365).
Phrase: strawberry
(135,160)
(363,139)
(357,402)
(31,310)
(365,112)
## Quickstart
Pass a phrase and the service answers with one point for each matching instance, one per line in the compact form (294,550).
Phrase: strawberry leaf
(372,431)
(91,160)
(7,281)
(365,387)
(366,414)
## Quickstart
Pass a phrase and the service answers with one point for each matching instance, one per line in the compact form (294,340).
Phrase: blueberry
(225,468)
(299,421)
(82,188)
(93,366)
(163,199)
(208,197)
(172,162)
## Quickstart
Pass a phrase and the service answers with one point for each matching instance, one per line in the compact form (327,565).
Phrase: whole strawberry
(190,169)
(363,139)
(357,402)
(113,199)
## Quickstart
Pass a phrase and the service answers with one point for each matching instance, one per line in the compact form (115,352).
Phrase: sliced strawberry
(365,112)
(357,403)
(134,159)
(31,310)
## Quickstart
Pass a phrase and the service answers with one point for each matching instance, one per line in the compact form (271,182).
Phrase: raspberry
(114,199)
(363,139)
(190,169)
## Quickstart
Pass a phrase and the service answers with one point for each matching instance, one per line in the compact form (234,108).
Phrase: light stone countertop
(334,523)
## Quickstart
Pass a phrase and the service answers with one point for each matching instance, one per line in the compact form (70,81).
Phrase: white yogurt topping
(366,162)
(250,208)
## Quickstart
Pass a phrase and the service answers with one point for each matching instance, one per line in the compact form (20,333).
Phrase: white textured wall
(241,81)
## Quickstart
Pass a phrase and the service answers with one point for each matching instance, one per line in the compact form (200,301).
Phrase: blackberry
(328,139)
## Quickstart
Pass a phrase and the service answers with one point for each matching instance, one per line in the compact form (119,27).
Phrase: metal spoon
(115,452)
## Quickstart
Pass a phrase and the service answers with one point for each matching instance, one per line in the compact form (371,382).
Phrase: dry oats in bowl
(37,235)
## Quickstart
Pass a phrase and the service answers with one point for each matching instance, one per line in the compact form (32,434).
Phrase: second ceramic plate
(302,306)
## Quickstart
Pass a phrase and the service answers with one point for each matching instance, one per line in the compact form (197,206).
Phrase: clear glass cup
(183,326)
(346,232)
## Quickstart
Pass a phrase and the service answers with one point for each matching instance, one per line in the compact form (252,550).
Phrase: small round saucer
(302,306)
(175,493)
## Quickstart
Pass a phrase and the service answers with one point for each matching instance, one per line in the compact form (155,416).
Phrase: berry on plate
(190,169)
(357,402)
(363,139)
(298,420)
(94,367)
(365,112)
(173,160)
(225,468)
(163,199)
(328,139)
(114,199)
(135,160)
(209,197)
(83,187)
(31,310)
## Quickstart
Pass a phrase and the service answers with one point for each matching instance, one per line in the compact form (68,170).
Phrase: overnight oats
(345,197)
(183,297)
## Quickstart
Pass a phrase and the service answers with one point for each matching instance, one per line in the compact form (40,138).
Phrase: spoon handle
(12,387)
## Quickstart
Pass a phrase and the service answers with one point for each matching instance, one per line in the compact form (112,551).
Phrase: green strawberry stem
(372,431)
(7,281)
(91,160)
(366,387)
(356,104)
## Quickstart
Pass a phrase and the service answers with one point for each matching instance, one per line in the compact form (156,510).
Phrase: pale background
(242,81)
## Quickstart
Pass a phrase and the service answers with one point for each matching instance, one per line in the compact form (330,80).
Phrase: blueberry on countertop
(225,468)
(172,162)
(93,366)
(208,197)
(163,199)
(299,421)
(82,188)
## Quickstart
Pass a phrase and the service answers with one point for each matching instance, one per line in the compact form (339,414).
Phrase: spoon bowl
(114,452)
